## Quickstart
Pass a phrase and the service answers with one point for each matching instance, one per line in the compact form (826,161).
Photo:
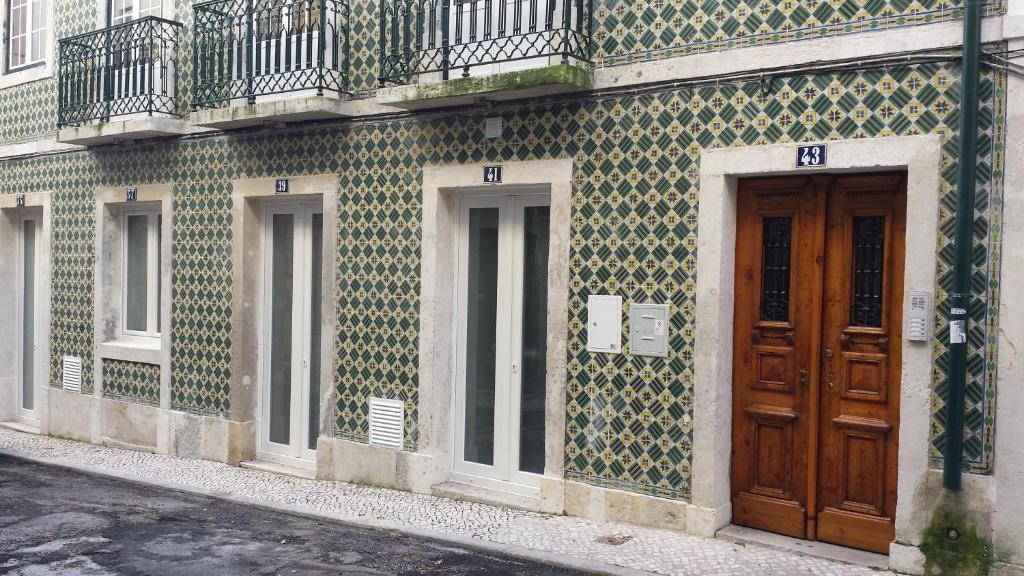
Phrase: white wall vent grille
(72,374)
(387,422)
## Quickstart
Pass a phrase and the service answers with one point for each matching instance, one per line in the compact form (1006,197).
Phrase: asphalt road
(57,521)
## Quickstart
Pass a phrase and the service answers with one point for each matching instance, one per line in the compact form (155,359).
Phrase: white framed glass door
(501,357)
(290,347)
(29,235)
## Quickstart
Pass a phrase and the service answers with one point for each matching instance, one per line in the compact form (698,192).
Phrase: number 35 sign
(811,155)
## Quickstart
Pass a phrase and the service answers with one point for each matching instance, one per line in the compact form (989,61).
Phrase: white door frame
(298,452)
(504,474)
(22,414)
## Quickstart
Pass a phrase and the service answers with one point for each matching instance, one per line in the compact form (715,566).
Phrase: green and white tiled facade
(635,201)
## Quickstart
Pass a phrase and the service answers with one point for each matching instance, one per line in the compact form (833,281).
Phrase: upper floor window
(26,33)
(122,11)
(141,288)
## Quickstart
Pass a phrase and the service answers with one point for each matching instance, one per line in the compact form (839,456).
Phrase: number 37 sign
(811,155)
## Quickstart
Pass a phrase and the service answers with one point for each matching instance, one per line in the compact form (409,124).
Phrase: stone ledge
(115,131)
(285,108)
(533,83)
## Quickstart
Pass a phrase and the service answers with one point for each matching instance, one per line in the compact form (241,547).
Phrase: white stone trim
(441,187)
(248,197)
(33,147)
(1007,523)
(8,291)
(112,420)
(817,51)
(921,157)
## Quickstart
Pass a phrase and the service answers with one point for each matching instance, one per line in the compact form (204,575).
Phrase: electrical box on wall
(648,330)
(919,316)
(604,324)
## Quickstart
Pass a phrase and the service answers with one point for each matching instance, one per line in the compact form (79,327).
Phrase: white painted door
(292,288)
(502,351)
(29,234)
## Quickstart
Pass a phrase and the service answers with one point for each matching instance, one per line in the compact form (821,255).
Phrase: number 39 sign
(811,155)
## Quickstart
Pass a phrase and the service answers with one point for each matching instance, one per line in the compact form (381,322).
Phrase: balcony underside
(120,130)
(284,108)
(532,83)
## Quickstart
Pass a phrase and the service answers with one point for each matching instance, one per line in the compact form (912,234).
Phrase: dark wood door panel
(778,231)
(861,332)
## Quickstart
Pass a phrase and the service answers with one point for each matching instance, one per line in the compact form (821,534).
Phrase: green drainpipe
(963,244)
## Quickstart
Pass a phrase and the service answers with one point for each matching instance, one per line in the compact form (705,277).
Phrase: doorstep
(275,468)
(20,427)
(744,535)
(478,495)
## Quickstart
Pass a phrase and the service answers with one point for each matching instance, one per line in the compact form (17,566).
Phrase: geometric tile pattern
(631,30)
(131,382)
(633,233)
(28,111)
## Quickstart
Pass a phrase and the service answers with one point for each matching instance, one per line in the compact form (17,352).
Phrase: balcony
(260,61)
(454,52)
(119,83)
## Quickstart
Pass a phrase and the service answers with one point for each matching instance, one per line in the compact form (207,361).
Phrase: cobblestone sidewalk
(574,539)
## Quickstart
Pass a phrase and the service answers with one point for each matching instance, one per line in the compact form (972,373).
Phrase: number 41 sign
(811,155)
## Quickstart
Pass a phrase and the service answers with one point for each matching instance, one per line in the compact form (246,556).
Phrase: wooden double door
(816,365)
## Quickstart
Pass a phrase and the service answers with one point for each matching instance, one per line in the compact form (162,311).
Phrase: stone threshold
(20,427)
(744,535)
(282,469)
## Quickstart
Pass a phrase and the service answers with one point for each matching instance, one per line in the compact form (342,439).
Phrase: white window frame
(504,474)
(135,14)
(30,30)
(153,299)
(23,414)
(297,453)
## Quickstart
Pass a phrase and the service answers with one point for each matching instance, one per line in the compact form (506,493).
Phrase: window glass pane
(159,256)
(316,282)
(28,321)
(481,326)
(282,259)
(776,246)
(868,270)
(136,271)
(536,225)
(120,11)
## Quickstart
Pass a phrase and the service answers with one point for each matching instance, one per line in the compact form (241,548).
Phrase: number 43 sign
(811,155)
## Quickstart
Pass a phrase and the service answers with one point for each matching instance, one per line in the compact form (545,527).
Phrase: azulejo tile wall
(134,382)
(635,30)
(635,203)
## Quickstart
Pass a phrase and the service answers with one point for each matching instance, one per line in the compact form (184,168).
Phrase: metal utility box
(604,324)
(648,329)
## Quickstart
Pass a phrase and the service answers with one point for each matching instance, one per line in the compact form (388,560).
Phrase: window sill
(25,75)
(129,349)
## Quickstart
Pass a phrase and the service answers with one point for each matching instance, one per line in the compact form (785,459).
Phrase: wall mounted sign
(132,194)
(811,155)
(19,199)
(492,174)
(281,186)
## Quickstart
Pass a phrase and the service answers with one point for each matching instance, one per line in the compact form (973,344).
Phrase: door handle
(515,367)
(803,378)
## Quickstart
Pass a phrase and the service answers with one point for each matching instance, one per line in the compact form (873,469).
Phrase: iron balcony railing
(121,70)
(251,48)
(421,36)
